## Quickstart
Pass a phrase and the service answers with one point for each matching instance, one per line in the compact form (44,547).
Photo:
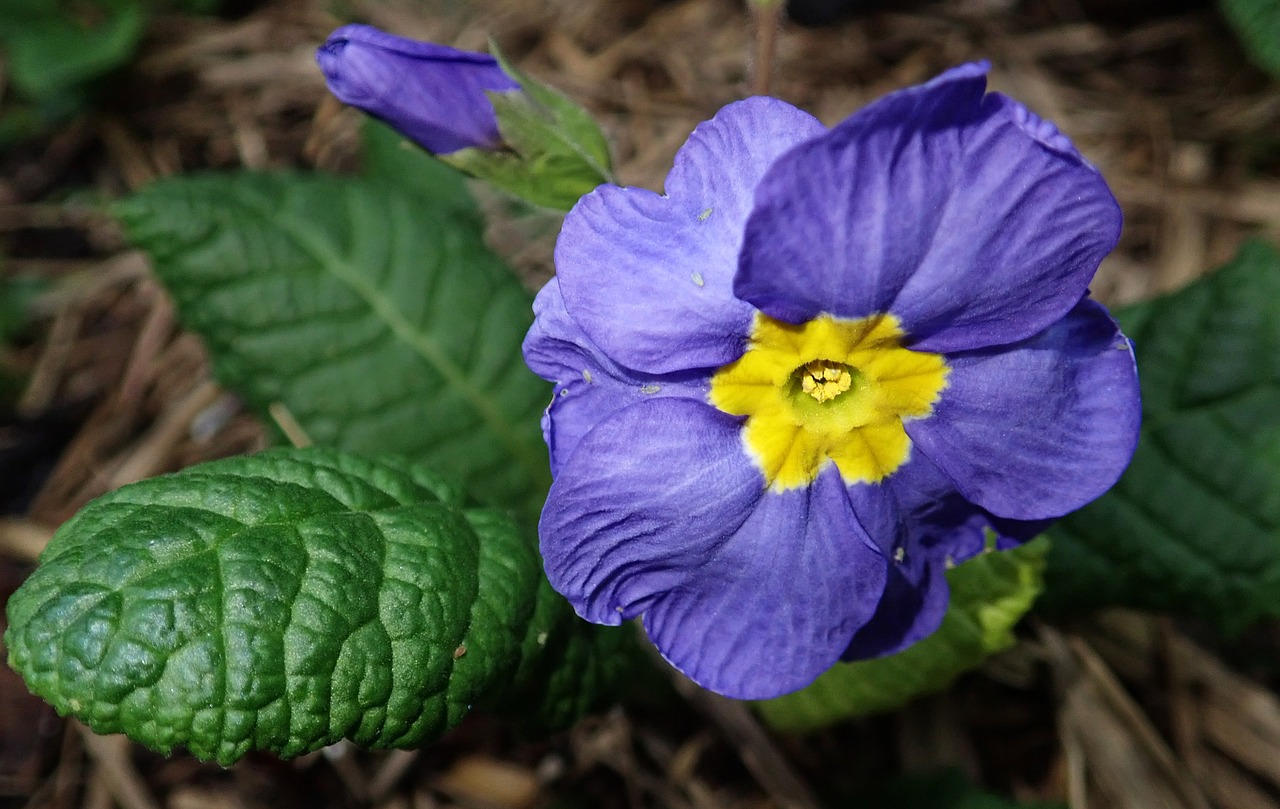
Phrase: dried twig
(151,454)
(289,425)
(1128,760)
(766,19)
(23,539)
(111,754)
(53,360)
(743,731)
(393,768)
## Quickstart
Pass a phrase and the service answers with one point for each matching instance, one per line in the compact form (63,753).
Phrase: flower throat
(828,391)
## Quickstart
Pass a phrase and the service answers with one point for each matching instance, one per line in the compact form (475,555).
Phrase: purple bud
(432,94)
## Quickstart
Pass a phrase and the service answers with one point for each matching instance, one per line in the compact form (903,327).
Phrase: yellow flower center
(829,389)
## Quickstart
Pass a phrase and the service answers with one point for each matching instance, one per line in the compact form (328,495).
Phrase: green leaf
(286,600)
(555,151)
(1257,22)
(1193,526)
(17,293)
(50,51)
(989,593)
(374,312)
(391,158)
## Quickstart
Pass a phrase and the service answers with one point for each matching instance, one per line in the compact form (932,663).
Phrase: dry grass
(1124,712)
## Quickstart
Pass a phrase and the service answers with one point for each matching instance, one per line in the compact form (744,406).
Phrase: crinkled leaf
(1257,22)
(1193,526)
(989,593)
(555,151)
(289,599)
(374,312)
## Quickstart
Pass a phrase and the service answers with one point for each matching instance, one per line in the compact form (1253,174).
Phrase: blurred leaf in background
(54,46)
(55,51)
(1257,23)
(1193,526)
(17,292)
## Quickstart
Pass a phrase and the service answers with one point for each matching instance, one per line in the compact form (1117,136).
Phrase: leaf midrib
(337,266)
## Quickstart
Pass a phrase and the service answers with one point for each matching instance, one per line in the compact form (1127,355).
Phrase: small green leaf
(1193,526)
(1257,22)
(373,311)
(555,151)
(286,600)
(989,593)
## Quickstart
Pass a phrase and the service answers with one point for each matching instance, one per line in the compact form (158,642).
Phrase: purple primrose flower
(432,94)
(793,390)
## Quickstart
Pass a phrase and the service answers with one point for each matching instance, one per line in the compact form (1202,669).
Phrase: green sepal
(1193,525)
(286,600)
(554,152)
(989,594)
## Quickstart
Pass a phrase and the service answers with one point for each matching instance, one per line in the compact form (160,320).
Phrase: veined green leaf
(397,162)
(989,593)
(1193,526)
(286,600)
(374,312)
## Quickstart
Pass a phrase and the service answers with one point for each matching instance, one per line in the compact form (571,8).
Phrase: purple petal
(751,594)
(1012,533)
(917,595)
(777,603)
(589,387)
(649,277)
(912,608)
(648,498)
(967,217)
(431,94)
(1040,428)
(891,511)
(922,525)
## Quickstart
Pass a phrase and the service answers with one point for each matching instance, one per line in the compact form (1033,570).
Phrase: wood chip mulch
(1124,710)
